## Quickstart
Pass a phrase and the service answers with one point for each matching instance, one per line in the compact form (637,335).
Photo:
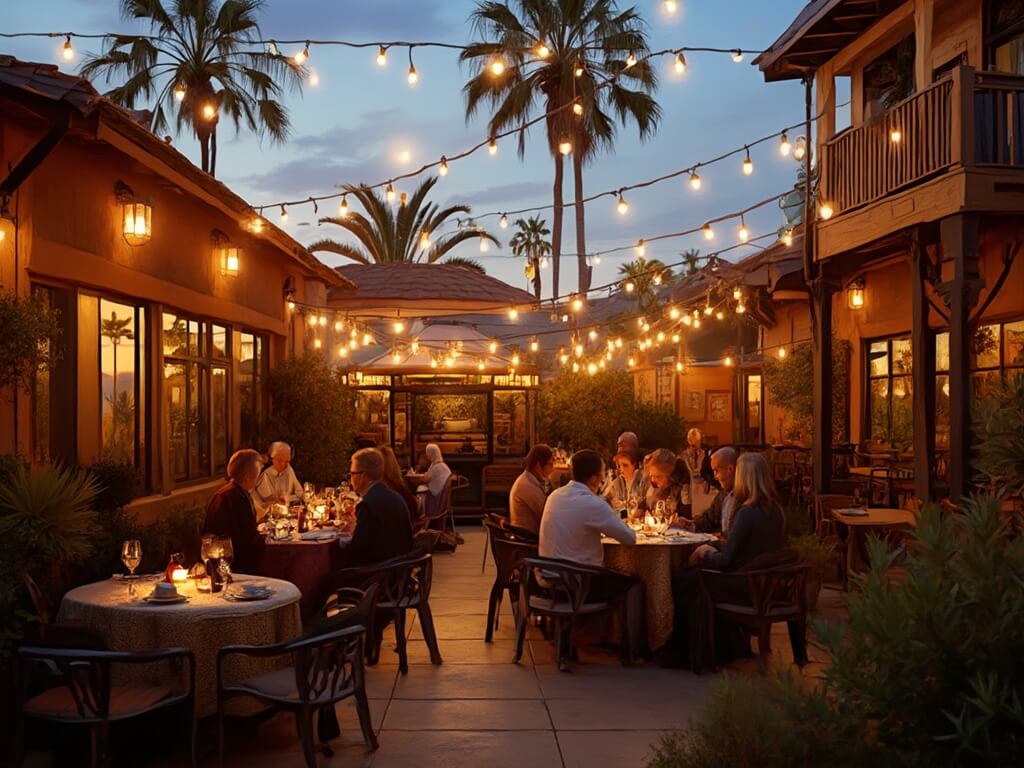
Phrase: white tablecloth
(204,624)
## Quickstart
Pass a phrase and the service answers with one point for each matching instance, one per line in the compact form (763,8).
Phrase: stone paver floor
(479,708)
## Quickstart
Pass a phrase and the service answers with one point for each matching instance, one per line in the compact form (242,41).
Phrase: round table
(868,520)
(652,560)
(204,624)
(308,564)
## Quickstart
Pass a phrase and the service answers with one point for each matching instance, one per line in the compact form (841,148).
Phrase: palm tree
(198,65)
(592,37)
(462,261)
(406,236)
(115,329)
(646,275)
(531,241)
(691,257)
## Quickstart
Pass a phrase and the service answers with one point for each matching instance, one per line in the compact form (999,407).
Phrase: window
(1004,36)
(122,381)
(753,411)
(889,79)
(890,392)
(196,363)
(252,372)
(510,423)
(53,402)
(996,353)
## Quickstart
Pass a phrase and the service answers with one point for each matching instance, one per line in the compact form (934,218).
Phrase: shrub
(999,434)
(658,426)
(314,411)
(25,345)
(118,483)
(788,384)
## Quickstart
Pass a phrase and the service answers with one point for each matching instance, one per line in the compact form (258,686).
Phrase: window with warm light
(890,402)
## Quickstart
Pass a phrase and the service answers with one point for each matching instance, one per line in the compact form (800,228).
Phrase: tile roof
(47,81)
(440,282)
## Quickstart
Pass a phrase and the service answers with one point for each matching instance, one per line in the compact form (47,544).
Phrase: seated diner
(630,481)
(277,484)
(527,497)
(230,512)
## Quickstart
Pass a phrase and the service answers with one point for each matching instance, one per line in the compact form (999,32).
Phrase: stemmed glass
(632,507)
(131,556)
(224,566)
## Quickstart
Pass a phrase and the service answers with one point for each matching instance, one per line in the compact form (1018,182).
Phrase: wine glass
(131,556)
(224,566)
(632,507)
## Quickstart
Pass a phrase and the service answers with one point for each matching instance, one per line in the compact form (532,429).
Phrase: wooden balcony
(957,145)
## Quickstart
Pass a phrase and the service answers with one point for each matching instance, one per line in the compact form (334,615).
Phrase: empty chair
(79,691)
(508,546)
(325,668)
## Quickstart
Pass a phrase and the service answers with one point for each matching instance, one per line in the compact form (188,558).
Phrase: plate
(318,535)
(854,512)
(165,600)
(243,596)
(136,577)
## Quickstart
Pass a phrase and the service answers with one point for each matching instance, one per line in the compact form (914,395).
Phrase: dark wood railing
(965,119)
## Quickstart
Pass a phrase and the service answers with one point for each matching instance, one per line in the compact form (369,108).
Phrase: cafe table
(307,562)
(653,559)
(861,521)
(204,623)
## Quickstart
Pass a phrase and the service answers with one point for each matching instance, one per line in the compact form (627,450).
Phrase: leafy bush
(10,465)
(314,411)
(999,434)
(788,384)
(592,411)
(118,483)
(927,671)
(25,345)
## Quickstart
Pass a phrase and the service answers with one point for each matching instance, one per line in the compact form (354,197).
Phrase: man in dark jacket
(382,528)
(230,512)
(718,517)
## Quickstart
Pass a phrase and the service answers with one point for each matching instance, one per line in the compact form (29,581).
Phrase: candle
(179,575)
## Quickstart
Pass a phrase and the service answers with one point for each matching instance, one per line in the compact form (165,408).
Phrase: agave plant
(404,233)
(49,512)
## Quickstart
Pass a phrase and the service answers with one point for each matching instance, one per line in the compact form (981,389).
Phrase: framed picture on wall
(719,406)
(693,405)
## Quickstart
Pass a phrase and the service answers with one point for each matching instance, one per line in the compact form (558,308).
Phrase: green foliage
(531,243)
(810,549)
(787,383)
(646,275)
(117,484)
(26,347)
(432,410)
(10,465)
(314,411)
(999,434)
(591,411)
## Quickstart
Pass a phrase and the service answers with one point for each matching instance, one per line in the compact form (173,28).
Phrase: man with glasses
(382,528)
(718,517)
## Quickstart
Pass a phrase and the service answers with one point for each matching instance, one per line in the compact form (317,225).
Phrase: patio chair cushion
(279,684)
(546,604)
(125,701)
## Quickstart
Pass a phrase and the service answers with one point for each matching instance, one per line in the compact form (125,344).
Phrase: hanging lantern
(855,294)
(136,216)
(530,270)
(226,256)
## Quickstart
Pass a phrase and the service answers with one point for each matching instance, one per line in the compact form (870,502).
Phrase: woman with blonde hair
(668,480)
(759,525)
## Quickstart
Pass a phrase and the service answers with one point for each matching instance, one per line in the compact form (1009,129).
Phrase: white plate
(318,535)
(247,596)
(165,600)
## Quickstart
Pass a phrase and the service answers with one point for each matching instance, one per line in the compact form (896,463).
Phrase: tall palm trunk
(213,152)
(585,272)
(536,277)
(204,149)
(556,229)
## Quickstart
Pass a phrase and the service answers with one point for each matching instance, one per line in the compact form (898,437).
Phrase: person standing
(230,512)
(528,496)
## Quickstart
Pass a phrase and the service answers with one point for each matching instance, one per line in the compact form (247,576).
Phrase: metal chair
(83,693)
(507,547)
(438,509)
(325,669)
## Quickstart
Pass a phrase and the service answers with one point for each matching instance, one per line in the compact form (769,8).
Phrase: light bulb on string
(542,51)
(562,356)
(737,294)
(485,244)
(515,360)
(402,199)
(442,170)
(579,69)
(694,180)
(382,56)
(744,233)
(592,335)
(284,214)
(709,233)
(728,361)
(179,92)
(398,327)
(343,207)
(317,343)
(787,237)
(679,366)
(630,60)
(737,56)
(389,193)
(577,303)
(565,147)
(492,147)
(825,211)
(414,347)
(396,357)
(673,312)
(534,344)
(748,164)
(342,351)
(209,111)
(367,339)
(543,262)
(631,361)
(413,76)
(575,367)
(657,278)
(591,369)
(629,286)
(300,57)
(481,364)
(687,321)
(322,320)
(641,248)
(497,66)
(696,320)
(707,310)
(800,148)
(577,108)
(339,326)
(670,6)
(68,50)
(503,221)
(680,64)
(782,353)
(719,315)
(578,349)
(622,207)
(741,308)
(661,337)
(784,146)
(513,313)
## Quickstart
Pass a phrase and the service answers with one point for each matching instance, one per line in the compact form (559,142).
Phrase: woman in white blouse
(437,473)
(278,483)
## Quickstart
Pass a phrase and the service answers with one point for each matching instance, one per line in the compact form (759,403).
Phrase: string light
(389,193)
(322,320)
(543,51)
(825,211)
(414,347)
(317,343)
(485,244)
(591,368)
(694,180)
(382,56)
(657,278)
(493,346)
(398,327)
(679,366)
(592,335)
(674,312)
(630,60)
(670,6)
(728,361)
(800,148)
(787,237)
(443,168)
(342,351)
(748,164)
(578,349)
(402,198)
(534,344)
(737,56)
(577,304)
(631,361)
(492,147)
(367,339)
(300,57)
(565,147)
(719,315)
(680,64)
(413,77)
(784,146)
(578,71)
(497,66)
(895,136)
(513,314)
(481,364)
(744,233)
(740,309)
(179,92)
(515,360)
(209,111)
(577,108)
(676,338)
(641,248)
(284,214)
(623,206)
(629,286)
(343,207)
(503,221)
(396,357)
(782,353)
(709,233)
(737,294)
(291,305)
(69,50)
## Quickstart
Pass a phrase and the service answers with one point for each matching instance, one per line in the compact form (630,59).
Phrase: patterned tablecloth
(652,560)
(308,565)
(204,624)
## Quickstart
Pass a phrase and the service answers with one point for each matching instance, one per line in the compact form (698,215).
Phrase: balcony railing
(966,119)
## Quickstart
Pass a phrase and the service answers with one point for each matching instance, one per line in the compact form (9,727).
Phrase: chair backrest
(326,664)
(498,478)
(507,549)
(568,583)
(779,587)
(826,503)
(437,506)
(346,607)
(403,582)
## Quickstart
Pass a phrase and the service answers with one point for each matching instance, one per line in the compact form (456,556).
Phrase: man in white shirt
(570,529)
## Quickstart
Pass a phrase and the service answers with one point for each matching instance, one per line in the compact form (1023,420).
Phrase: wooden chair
(325,669)
(404,585)
(563,599)
(507,547)
(437,510)
(81,692)
(757,598)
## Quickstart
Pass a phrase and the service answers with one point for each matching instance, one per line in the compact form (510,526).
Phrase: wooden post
(923,355)
(821,345)
(959,235)
(923,17)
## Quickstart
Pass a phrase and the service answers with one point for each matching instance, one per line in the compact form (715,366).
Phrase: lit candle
(179,576)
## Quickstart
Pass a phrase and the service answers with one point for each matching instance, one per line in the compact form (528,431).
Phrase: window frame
(869,379)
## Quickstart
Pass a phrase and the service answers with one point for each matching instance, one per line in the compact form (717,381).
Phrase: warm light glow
(800,148)
(744,233)
(492,147)
(342,351)
(657,278)
(707,310)
(565,147)
(623,206)
(414,347)
(179,92)
(719,315)
(694,180)
(679,366)
(740,309)
(513,313)
(784,146)
(737,294)
(339,326)
(782,353)
(592,335)
(578,349)
(680,64)
(137,222)
(424,240)
(317,343)
(670,6)
(497,66)
(396,357)
(69,51)
(398,326)
(631,361)
(413,76)
(481,365)
(353,343)
(389,193)
(630,60)
(709,233)
(641,248)
(629,286)
(209,111)
(291,306)
(661,337)
(443,168)
(515,360)
(591,368)
(300,57)
(382,56)
(687,320)
(343,207)
(728,362)
(543,51)
(748,165)
(367,339)
(312,320)
(577,108)
(895,135)
(577,304)
(503,221)
(485,244)
(179,575)
(534,345)
(284,214)
(787,237)
(855,294)
(578,71)
(825,211)
(229,261)
(737,56)
(674,313)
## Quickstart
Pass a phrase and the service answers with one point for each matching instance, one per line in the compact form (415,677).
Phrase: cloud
(355,21)
(524,190)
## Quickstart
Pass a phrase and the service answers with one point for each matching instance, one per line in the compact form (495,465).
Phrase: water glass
(131,556)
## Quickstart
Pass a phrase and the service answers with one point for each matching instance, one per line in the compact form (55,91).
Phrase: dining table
(308,561)
(652,560)
(203,623)
(860,521)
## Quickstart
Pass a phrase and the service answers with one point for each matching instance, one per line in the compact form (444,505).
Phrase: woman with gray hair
(278,483)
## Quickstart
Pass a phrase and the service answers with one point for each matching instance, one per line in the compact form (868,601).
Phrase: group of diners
(742,509)
(385,515)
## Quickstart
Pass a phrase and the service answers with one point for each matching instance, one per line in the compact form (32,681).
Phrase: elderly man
(628,441)
(718,517)
(278,483)
(230,512)
(383,530)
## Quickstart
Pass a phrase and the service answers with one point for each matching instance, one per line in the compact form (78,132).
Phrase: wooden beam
(923,372)
(923,22)
(822,292)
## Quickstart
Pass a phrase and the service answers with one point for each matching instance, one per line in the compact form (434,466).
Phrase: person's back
(573,521)
(230,513)
(526,502)
(757,530)
(383,530)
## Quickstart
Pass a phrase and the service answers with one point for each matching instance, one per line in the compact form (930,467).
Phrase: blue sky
(356,124)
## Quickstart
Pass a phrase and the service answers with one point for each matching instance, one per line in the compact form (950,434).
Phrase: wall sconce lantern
(855,294)
(136,215)
(227,256)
